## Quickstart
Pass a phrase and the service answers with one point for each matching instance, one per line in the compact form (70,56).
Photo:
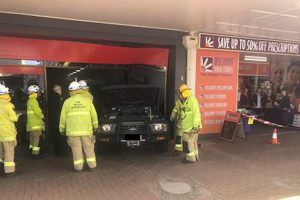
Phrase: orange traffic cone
(274,137)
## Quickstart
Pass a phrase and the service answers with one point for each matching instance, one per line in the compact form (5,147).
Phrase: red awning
(56,50)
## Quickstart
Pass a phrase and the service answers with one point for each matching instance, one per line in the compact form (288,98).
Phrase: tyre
(161,147)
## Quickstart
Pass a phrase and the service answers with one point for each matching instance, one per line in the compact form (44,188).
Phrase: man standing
(78,120)
(35,123)
(190,124)
(85,90)
(55,103)
(175,116)
(8,133)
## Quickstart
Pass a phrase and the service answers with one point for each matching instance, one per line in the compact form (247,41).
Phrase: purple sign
(208,41)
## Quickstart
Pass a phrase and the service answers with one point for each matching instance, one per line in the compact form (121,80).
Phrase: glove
(171,119)
(96,130)
(195,130)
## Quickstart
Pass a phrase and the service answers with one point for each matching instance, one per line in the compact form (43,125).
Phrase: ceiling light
(291,16)
(30,62)
(256,58)
(247,26)
(279,30)
(228,24)
(263,12)
(78,70)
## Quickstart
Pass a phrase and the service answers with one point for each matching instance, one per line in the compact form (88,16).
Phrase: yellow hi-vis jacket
(190,115)
(86,93)
(34,114)
(8,116)
(176,114)
(78,116)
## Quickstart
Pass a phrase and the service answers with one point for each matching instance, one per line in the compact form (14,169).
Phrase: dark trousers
(284,117)
(60,143)
(269,112)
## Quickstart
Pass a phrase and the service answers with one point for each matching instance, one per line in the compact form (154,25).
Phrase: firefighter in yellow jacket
(8,133)
(175,116)
(85,90)
(190,120)
(78,121)
(35,123)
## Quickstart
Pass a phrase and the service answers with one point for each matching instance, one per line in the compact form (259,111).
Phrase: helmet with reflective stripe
(74,86)
(3,90)
(83,84)
(33,89)
(183,88)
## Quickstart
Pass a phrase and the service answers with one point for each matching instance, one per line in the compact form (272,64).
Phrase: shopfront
(230,66)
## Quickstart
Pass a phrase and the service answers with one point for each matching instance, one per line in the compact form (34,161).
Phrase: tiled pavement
(238,171)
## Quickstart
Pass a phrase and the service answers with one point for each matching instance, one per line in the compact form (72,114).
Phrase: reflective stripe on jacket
(78,116)
(34,115)
(7,118)
(190,115)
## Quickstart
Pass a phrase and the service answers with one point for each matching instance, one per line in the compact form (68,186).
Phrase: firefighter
(190,120)
(85,90)
(35,121)
(8,133)
(78,120)
(178,148)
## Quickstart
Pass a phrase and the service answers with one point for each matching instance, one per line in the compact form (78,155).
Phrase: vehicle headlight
(159,127)
(106,127)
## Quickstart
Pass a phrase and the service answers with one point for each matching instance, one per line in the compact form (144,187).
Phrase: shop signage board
(248,69)
(254,69)
(221,42)
(263,69)
(230,125)
(216,87)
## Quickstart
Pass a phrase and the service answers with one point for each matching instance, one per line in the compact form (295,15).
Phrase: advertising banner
(210,41)
(216,87)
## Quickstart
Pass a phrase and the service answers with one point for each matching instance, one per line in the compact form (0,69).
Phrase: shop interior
(18,75)
(270,75)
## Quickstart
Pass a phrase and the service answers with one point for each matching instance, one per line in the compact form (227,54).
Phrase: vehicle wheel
(161,147)
(103,148)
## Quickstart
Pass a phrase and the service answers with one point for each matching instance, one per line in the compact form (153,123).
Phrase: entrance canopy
(56,50)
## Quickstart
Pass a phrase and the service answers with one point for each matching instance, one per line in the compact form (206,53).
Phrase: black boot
(13,174)
(1,168)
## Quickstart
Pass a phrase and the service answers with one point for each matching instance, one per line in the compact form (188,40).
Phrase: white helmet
(74,86)
(83,85)
(33,89)
(3,89)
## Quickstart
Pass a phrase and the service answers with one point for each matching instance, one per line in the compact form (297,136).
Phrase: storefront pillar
(191,43)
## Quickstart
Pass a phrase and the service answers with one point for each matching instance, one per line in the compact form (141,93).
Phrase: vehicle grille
(133,128)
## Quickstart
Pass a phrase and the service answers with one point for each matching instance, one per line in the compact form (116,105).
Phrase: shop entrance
(135,83)
(17,75)
(60,62)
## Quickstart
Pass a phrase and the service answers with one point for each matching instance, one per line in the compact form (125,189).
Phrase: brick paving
(238,171)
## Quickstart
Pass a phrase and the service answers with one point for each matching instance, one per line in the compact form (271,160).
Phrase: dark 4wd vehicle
(132,117)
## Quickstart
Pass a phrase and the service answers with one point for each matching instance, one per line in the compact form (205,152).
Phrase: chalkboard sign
(230,125)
